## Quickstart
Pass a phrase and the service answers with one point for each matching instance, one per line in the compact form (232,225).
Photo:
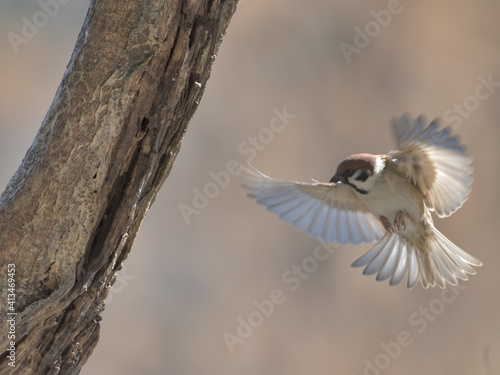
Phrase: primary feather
(435,161)
(328,211)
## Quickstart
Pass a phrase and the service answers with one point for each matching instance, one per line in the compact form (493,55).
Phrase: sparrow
(387,198)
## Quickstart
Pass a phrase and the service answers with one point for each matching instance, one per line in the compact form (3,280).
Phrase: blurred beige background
(187,284)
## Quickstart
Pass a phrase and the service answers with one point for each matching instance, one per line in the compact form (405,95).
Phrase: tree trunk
(70,214)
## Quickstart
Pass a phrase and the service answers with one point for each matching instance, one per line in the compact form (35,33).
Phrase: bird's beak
(337,178)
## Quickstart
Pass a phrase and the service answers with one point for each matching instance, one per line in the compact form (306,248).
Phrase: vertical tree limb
(70,214)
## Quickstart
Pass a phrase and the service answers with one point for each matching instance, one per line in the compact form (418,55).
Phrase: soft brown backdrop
(186,284)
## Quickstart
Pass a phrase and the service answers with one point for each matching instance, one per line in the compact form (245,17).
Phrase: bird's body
(397,192)
(394,193)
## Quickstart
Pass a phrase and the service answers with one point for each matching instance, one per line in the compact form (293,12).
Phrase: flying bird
(387,198)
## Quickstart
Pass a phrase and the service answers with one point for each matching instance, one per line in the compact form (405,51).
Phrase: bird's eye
(348,172)
(363,176)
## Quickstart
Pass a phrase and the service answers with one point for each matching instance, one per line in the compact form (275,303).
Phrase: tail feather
(391,263)
(413,269)
(401,267)
(440,264)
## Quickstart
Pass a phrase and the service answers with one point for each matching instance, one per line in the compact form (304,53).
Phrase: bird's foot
(399,221)
(386,223)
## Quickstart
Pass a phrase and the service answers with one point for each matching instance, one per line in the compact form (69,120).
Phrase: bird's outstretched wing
(329,211)
(435,161)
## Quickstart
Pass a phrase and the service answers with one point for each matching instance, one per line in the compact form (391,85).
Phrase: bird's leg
(399,221)
(386,223)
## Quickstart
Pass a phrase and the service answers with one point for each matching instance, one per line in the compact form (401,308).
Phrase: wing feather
(435,161)
(328,211)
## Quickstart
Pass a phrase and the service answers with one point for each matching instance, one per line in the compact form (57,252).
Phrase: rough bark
(69,215)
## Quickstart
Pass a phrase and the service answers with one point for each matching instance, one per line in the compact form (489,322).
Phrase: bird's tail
(441,263)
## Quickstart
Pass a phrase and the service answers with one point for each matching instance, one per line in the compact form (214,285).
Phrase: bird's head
(359,171)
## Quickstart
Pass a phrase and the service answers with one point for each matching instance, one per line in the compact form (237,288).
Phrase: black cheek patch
(363,176)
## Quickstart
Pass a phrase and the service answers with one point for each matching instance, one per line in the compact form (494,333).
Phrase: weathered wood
(70,214)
